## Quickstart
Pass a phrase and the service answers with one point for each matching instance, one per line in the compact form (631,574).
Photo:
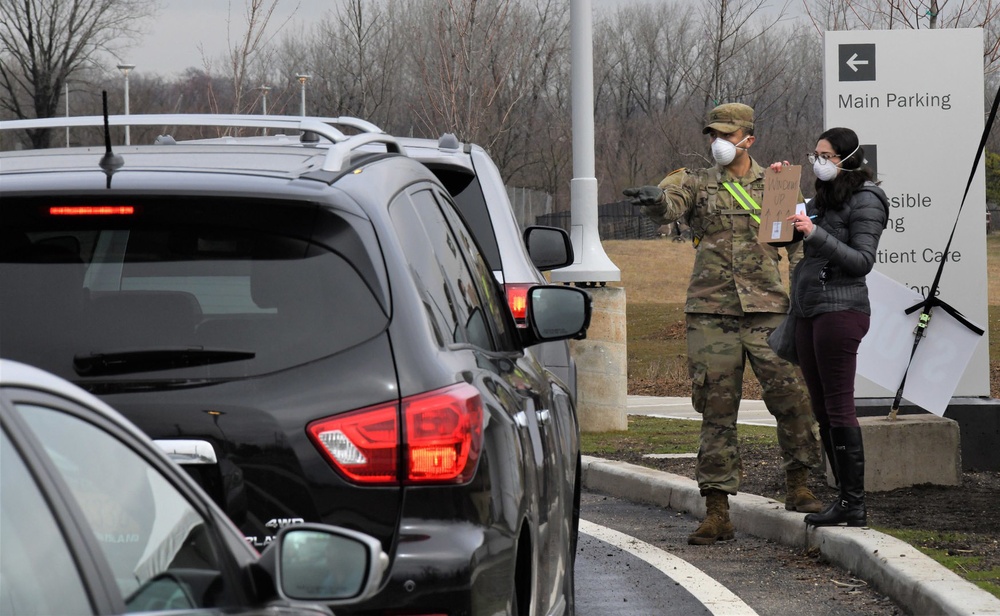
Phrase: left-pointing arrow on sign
(853,62)
(856,62)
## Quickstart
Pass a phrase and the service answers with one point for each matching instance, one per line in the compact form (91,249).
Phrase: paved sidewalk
(897,569)
(752,412)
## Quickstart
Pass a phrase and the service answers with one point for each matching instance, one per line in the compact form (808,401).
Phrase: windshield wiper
(146,360)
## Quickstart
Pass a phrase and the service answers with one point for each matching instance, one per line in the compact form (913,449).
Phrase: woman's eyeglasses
(812,158)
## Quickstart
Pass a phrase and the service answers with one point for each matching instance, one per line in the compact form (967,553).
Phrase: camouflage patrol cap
(729,118)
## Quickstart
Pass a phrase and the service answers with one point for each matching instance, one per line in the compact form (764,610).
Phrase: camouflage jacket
(733,273)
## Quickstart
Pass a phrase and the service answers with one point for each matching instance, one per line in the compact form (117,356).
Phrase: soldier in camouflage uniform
(735,299)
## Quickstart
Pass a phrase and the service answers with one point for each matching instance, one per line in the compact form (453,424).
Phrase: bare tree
(657,77)
(464,66)
(45,41)
(537,65)
(357,59)
(790,117)
(736,33)
(890,14)
(551,148)
(914,15)
(251,54)
(643,64)
(372,41)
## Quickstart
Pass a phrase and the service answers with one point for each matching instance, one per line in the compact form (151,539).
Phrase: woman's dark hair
(835,194)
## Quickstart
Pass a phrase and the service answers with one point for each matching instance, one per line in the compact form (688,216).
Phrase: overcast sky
(186,31)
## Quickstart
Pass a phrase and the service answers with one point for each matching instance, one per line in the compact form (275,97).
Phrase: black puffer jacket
(839,253)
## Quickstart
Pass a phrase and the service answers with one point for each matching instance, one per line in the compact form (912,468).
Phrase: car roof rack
(337,154)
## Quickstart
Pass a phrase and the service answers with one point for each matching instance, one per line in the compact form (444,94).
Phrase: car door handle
(544,417)
(521,419)
(188,451)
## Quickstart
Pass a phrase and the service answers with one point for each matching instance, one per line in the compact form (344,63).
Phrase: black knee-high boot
(824,437)
(849,458)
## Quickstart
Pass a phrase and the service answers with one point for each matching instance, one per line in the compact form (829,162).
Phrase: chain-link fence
(615,221)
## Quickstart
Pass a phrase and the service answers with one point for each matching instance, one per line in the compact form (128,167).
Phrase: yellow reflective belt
(749,204)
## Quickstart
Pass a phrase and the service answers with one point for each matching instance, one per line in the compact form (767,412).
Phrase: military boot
(798,497)
(716,526)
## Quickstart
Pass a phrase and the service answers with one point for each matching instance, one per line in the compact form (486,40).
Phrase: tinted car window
(39,577)
(468,195)
(436,257)
(492,298)
(144,526)
(193,290)
(436,294)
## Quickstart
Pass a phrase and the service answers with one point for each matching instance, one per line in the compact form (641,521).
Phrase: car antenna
(110,162)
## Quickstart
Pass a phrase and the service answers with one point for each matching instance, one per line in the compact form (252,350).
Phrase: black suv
(475,184)
(315,334)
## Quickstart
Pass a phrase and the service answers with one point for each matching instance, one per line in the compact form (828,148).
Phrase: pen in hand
(799,223)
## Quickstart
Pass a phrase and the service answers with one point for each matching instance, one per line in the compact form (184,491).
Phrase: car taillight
(441,439)
(444,433)
(517,299)
(363,445)
(92,210)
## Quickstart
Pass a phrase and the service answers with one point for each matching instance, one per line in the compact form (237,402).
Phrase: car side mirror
(556,313)
(549,247)
(318,563)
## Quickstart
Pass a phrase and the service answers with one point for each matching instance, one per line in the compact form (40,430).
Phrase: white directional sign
(917,96)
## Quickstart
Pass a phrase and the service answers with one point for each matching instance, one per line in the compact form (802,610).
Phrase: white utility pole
(263,101)
(66,96)
(263,98)
(125,68)
(592,264)
(302,79)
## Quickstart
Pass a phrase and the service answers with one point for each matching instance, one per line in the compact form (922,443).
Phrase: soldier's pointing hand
(644,195)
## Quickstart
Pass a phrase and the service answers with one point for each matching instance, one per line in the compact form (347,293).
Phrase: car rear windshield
(178,288)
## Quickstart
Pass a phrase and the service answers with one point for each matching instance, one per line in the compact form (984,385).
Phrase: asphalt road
(635,560)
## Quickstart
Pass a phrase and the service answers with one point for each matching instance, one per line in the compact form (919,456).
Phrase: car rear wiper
(145,360)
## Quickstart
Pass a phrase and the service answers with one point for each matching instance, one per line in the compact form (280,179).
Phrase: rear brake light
(517,299)
(444,434)
(362,445)
(442,439)
(92,210)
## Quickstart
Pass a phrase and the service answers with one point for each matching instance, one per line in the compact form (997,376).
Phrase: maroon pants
(827,345)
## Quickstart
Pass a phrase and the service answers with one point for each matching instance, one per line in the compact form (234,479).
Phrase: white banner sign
(941,356)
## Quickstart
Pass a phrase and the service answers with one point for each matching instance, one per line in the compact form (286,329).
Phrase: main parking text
(894,99)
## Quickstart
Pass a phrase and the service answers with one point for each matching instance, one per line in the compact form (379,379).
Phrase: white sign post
(915,98)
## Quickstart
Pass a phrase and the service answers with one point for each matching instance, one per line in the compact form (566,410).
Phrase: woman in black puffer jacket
(841,230)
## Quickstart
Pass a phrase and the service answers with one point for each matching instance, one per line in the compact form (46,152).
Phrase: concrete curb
(897,569)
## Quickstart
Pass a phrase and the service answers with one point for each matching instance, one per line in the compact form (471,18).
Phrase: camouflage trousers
(718,348)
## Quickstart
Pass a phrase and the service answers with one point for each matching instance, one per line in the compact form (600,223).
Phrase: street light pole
(302,79)
(125,68)
(263,100)
(66,96)
(592,263)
